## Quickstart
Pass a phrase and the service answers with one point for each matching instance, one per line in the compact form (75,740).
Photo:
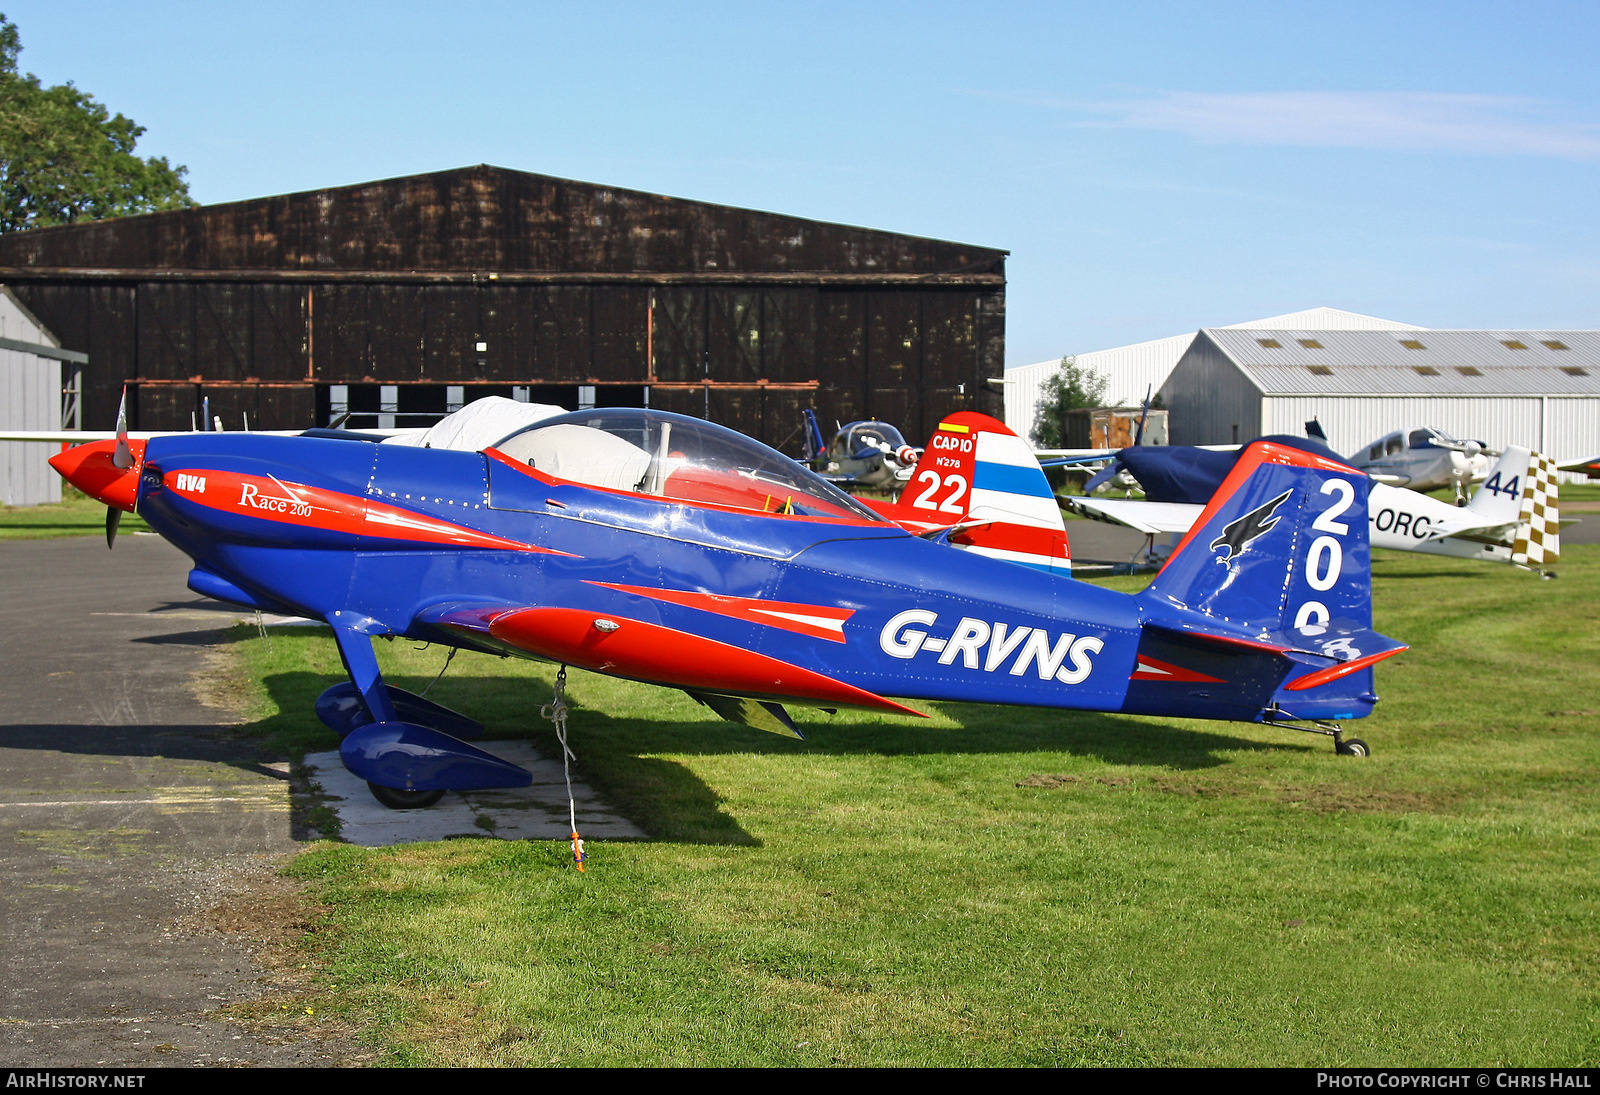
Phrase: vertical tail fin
(1538,540)
(1280,561)
(1522,490)
(976,473)
(1499,498)
(1282,543)
(1138,437)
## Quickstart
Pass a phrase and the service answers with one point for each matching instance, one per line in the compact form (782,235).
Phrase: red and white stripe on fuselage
(271,499)
(818,621)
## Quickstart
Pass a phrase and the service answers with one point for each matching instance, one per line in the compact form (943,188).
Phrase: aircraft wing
(1150,518)
(1589,465)
(81,437)
(1075,454)
(76,437)
(1059,458)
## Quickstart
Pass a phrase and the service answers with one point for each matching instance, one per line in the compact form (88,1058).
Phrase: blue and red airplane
(669,550)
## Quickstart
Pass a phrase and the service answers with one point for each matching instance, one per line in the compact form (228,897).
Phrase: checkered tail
(1538,539)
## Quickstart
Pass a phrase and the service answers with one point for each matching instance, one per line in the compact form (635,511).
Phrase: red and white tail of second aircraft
(980,486)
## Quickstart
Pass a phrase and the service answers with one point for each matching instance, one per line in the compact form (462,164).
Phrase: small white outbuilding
(32,397)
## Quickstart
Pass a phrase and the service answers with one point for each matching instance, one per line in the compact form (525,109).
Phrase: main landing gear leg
(355,650)
(408,765)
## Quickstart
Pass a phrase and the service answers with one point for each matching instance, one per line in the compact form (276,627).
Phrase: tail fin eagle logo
(1242,532)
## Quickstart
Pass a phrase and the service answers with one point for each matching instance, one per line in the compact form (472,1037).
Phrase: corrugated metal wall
(1132,369)
(1210,400)
(1129,370)
(1563,427)
(30,399)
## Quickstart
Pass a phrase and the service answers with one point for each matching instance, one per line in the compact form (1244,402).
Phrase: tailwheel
(397,799)
(1352,747)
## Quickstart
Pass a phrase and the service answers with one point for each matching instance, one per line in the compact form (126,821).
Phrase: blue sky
(1151,167)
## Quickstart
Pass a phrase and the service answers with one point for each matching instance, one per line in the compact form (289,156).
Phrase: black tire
(396,799)
(1353,747)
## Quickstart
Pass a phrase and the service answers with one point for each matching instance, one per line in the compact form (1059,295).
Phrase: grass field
(1009,886)
(75,515)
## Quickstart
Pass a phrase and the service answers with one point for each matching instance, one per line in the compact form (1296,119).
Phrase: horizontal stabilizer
(1355,650)
(1150,518)
(1333,649)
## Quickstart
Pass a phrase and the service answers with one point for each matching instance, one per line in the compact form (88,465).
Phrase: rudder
(1279,562)
(1282,543)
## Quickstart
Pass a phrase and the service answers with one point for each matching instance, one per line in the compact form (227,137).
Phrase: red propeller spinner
(92,468)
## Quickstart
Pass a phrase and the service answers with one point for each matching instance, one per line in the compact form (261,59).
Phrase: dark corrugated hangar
(397,300)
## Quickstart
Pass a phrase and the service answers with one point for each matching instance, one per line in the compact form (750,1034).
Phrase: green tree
(64,157)
(1072,387)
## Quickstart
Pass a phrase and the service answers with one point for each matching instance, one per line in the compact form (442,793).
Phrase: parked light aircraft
(668,550)
(869,454)
(1424,459)
(1513,516)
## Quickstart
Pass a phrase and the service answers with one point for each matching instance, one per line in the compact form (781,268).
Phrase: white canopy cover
(478,425)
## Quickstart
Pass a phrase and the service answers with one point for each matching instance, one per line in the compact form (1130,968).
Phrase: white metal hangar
(1131,370)
(1535,388)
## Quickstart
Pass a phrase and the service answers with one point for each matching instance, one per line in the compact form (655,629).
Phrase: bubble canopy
(677,457)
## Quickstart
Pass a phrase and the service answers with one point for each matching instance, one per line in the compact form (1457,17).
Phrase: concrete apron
(130,814)
(126,813)
(536,812)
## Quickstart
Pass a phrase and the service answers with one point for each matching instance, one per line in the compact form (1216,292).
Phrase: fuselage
(382,534)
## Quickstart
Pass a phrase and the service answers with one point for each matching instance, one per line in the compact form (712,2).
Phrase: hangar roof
(1411,363)
(491,220)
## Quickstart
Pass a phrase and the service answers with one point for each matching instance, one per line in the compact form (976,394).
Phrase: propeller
(1468,449)
(1138,437)
(1103,476)
(122,458)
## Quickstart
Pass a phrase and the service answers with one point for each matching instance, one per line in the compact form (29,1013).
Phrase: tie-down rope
(556,712)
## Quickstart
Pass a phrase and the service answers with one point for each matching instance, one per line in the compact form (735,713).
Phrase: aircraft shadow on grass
(621,756)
